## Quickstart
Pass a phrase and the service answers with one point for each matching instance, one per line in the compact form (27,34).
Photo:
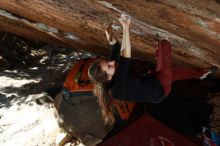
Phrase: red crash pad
(147,131)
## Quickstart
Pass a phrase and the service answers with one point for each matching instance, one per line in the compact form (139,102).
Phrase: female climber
(112,80)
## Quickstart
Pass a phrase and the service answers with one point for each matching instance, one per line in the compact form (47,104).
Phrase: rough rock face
(193,27)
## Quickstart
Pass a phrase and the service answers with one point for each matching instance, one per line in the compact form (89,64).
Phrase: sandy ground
(27,114)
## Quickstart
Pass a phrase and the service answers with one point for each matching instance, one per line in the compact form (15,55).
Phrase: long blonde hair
(101,90)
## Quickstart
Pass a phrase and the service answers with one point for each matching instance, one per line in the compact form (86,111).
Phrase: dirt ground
(27,114)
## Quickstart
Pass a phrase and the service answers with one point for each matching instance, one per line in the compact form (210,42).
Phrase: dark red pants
(166,74)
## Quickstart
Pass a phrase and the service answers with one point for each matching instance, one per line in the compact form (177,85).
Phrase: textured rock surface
(193,27)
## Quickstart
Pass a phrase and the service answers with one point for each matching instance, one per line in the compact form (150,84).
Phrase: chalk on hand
(125,16)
